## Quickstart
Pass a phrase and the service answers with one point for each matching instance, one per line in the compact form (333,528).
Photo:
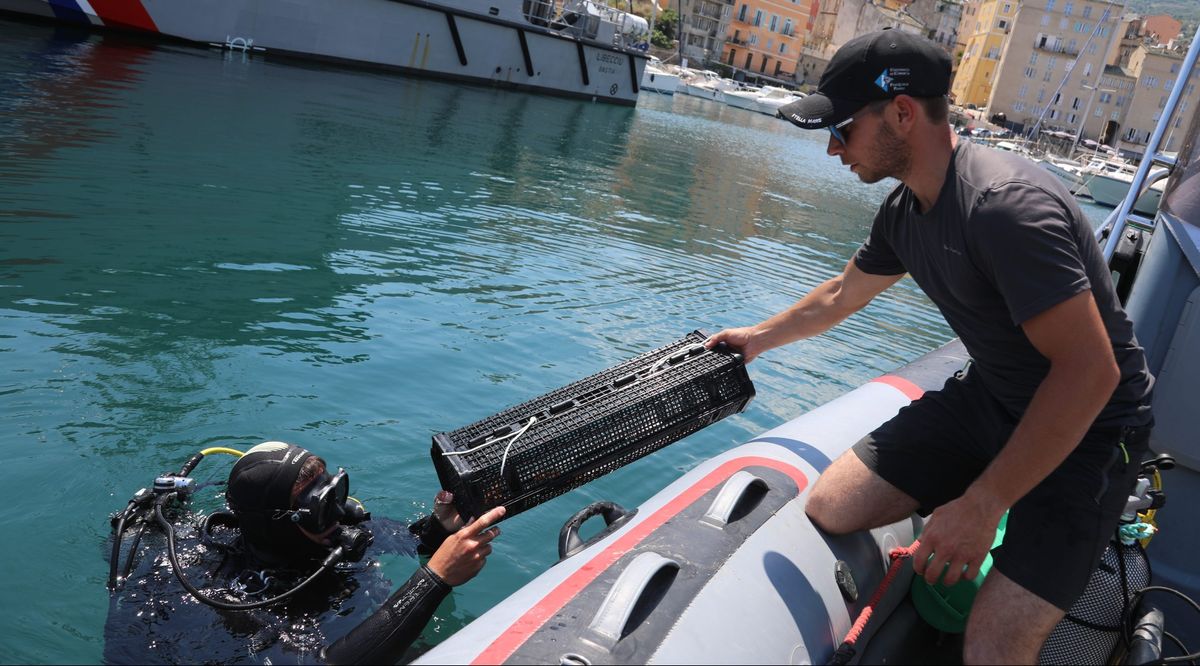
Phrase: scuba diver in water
(292,534)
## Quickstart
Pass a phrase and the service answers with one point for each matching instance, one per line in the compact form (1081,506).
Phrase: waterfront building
(941,19)
(703,29)
(1156,69)
(838,21)
(1080,67)
(818,45)
(1049,71)
(966,25)
(986,28)
(1131,34)
(766,38)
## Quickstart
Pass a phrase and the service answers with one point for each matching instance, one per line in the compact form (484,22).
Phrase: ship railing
(591,19)
(1110,232)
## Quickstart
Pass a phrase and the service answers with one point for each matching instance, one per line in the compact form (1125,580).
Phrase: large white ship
(574,48)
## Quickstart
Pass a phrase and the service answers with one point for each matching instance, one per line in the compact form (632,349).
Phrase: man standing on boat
(1053,416)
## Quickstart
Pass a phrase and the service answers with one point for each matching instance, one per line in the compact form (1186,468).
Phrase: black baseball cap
(871,67)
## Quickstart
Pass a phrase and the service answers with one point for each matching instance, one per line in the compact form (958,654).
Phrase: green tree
(665,26)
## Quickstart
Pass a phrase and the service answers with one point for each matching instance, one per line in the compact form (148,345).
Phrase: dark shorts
(937,446)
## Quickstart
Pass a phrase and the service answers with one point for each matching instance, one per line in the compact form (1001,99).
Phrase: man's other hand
(464,553)
(956,539)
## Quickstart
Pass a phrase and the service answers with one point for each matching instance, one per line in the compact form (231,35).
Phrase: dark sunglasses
(840,131)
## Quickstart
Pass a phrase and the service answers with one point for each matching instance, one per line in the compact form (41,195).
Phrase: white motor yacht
(773,98)
(660,78)
(743,98)
(1070,173)
(1109,182)
(706,84)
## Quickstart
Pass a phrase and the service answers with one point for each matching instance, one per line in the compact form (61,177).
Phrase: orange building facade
(766,37)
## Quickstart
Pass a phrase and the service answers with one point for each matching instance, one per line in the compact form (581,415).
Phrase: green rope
(1134,532)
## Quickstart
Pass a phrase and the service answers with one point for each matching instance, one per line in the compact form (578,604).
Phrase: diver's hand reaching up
(464,553)
(745,340)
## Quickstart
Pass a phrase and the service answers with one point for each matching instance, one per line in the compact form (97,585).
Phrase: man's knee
(824,509)
(1008,623)
(848,497)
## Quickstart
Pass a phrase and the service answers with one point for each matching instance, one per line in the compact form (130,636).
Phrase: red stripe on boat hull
(906,387)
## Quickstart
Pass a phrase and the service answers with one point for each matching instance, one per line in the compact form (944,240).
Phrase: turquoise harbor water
(199,248)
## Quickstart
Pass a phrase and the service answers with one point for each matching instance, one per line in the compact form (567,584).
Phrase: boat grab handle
(632,585)
(569,541)
(731,494)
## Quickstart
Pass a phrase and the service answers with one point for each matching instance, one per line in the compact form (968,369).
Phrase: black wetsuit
(349,615)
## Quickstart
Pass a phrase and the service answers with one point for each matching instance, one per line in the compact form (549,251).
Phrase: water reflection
(206,248)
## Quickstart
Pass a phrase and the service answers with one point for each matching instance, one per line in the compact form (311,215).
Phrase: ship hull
(451,39)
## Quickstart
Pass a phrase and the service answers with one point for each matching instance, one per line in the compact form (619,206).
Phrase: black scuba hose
(1188,600)
(137,540)
(114,561)
(170,530)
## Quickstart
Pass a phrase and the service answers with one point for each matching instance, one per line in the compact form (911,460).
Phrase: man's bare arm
(820,310)
(1082,377)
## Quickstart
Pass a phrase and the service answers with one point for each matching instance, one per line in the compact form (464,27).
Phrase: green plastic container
(947,608)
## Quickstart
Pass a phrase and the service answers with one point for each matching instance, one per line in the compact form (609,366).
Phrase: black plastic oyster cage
(538,450)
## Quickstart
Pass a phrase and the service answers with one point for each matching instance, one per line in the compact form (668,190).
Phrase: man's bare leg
(848,497)
(1008,623)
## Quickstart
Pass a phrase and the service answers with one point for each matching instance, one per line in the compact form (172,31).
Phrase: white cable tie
(667,359)
(504,457)
(489,442)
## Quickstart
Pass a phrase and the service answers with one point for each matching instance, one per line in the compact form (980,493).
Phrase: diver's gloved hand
(434,529)
(464,553)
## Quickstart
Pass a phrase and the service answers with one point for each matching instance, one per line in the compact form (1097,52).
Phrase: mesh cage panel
(1100,605)
(591,427)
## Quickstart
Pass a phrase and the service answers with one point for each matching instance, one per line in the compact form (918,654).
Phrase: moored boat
(1070,173)
(707,85)
(743,98)
(660,78)
(574,48)
(773,98)
(1109,186)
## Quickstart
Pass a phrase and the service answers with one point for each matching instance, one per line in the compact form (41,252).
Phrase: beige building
(704,26)
(836,22)
(1049,72)
(941,19)
(767,37)
(1131,37)
(1156,69)
(985,32)
(1076,67)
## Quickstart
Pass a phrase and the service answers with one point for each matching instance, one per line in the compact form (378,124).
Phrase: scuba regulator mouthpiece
(353,542)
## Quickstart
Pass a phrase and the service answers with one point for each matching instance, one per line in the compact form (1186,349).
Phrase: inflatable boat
(723,565)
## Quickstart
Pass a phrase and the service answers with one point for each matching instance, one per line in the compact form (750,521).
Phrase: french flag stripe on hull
(69,10)
(125,14)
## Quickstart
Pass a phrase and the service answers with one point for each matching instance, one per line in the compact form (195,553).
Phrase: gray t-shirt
(1004,242)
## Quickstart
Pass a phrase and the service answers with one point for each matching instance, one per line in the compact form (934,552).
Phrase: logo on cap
(884,81)
(804,121)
